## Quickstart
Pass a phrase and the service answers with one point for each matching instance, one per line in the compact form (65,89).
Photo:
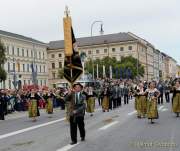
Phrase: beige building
(156,64)
(112,45)
(178,71)
(172,67)
(21,52)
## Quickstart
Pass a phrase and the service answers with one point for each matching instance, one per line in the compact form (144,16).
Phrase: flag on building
(34,74)
(97,70)
(104,71)
(110,72)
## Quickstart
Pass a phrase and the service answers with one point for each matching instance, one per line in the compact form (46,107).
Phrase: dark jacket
(2,101)
(78,106)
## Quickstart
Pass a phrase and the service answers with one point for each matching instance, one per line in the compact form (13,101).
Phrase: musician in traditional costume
(33,105)
(90,100)
(152,96)
(140,101)
(176,98)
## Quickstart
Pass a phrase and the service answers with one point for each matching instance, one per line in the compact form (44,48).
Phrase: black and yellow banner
(72,63)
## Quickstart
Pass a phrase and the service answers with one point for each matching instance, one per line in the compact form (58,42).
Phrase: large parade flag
(72,64)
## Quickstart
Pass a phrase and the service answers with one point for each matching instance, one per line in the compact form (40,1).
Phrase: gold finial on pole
(67,12)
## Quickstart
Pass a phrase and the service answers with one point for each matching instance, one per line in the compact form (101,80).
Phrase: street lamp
(101,27)
(101,33)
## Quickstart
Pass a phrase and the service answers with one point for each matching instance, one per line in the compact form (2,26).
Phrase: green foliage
(126,63)
(3,73)
(60,73)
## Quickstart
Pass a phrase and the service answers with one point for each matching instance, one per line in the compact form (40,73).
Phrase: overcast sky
(157,21)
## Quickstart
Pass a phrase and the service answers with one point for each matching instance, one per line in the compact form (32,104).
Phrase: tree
(60,73)
(3,73)
(126,68)
(136,67)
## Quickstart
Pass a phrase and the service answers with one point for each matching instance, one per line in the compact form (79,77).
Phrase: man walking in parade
(76,101)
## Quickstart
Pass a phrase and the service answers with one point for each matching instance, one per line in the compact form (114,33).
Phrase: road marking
(161,107)
(66,148)
(30,128)
(163,110)
(133,112)
(109,125)
(98,109)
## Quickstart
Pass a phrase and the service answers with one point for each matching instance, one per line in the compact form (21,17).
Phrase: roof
(95,40)
(5,33)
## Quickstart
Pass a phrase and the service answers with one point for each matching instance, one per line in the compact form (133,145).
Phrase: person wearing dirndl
(33,109)
(49,96)
(105,101)
(90,100)
(176,99)
(140,101)
(152,96)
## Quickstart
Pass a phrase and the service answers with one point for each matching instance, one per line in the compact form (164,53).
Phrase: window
(23,67)
(52,55)
(41,82)
(113,49)
(35,55)
(12,50)
(130,48)
(27,53)
(40,68)
(31,53)
(97,51)
(24,82)
(44,82)
(9,67)
(9,84)
(44,69)
(89,52)
(121,48)
(28,81)
(60,55)
(43,55)
(7,49)
(105,50)
(53,65)
(60,64)
(54,75)
(23,52)
(27,67)
(39,55)
(17,51)
(13,66)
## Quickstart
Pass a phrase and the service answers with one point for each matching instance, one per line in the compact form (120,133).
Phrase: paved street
(114,130)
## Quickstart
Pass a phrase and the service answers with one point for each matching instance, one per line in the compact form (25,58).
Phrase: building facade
(178,71)
(113,45)
(21,53)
